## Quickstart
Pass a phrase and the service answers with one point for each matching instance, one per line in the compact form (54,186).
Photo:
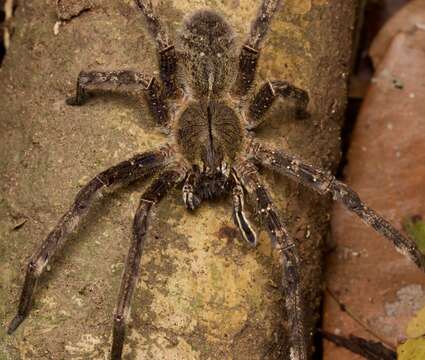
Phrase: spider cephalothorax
(210,152)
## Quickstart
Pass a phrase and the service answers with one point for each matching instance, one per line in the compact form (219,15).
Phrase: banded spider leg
(152,195)
(135,168)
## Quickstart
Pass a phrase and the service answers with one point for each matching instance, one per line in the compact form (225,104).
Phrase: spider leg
(191,197)
(155,192)
(167,56)
(239,216)
(129,170)
(324,183)
(250,51)
(294,305)
(266,96)
(122,79)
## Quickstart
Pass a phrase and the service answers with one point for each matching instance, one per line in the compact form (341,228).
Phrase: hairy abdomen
(209,54)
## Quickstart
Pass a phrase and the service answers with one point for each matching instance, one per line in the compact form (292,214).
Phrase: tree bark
(202,294)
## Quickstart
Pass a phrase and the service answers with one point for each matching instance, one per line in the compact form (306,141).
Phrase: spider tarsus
(14,324)
(75,101)
(118,335)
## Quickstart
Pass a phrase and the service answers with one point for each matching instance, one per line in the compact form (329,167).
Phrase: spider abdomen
(209,133)
(208,47)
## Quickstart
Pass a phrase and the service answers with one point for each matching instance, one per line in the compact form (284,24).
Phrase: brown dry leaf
(409,18)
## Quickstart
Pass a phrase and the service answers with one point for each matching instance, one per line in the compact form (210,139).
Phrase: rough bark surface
(203,294)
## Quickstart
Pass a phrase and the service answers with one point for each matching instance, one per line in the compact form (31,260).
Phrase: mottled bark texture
(203,292)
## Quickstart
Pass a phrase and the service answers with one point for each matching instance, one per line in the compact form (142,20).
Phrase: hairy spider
(211,152)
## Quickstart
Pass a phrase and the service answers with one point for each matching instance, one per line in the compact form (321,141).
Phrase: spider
(206,100)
